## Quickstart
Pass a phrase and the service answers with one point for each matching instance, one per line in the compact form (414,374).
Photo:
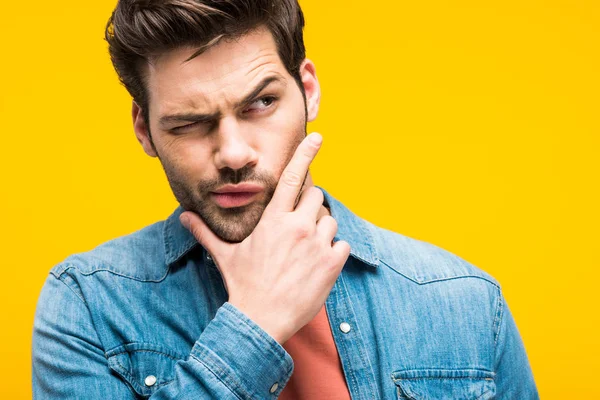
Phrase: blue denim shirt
(146,316)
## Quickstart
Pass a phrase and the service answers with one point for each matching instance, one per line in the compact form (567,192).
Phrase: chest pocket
(144,367)
(442,384)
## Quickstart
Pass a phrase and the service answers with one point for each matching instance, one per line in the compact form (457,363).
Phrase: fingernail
(316,138)
(185,221)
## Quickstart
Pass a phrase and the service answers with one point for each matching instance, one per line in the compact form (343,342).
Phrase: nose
(234,151)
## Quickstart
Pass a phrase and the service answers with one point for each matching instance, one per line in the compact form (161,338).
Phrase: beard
(236,223)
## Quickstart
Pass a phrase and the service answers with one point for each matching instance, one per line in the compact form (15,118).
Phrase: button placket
(350,343)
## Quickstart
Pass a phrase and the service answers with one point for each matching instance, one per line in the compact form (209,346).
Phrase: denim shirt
(146,316)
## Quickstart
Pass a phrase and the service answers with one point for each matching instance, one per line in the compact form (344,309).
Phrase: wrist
(272,329)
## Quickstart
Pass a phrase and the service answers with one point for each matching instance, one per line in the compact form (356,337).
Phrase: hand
(282,273)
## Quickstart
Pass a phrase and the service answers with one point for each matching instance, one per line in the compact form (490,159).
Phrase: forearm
(232,358)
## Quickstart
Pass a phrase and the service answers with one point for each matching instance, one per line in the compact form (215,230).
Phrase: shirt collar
(352,229)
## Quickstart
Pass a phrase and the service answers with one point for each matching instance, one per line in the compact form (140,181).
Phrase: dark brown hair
(140,30)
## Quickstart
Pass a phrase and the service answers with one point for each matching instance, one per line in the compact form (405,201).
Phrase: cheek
(284,130)
(184,158)
(277,145)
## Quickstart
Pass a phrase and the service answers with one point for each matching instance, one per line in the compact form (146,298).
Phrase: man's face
(228,119)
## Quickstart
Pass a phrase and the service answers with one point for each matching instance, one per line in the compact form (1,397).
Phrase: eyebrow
(195,117)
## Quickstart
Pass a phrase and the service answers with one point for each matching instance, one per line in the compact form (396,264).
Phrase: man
(260,285)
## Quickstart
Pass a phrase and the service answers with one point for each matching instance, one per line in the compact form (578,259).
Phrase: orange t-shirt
(318,370)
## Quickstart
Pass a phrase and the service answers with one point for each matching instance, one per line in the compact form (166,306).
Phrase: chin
(233,224)
(231,233)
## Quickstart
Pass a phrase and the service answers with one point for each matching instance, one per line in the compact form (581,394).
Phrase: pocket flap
(435,384)
(145,367)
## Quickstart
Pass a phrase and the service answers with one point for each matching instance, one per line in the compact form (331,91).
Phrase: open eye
(261,104)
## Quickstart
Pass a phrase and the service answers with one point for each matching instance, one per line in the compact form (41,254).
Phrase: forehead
(222,73)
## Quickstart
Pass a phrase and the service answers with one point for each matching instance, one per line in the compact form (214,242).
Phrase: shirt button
(274,387)
(150,380)
(208,257)
(345,327)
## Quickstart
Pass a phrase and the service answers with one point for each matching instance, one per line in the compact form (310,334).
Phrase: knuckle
(317,193)
(345,249)
(306,151)
(291,178)
(302,230)
(333,265)
(329,221)
(334,224)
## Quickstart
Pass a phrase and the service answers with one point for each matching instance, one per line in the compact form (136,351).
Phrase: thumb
(193,223)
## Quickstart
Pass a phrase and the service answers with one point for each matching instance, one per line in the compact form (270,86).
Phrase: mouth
(234,199)
(230,196)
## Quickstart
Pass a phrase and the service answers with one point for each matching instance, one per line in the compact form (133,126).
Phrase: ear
(312,88)
(141,130)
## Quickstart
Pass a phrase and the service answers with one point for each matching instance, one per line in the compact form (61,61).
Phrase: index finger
(292,178)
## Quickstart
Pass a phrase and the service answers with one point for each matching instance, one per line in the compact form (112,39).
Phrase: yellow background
(469,124)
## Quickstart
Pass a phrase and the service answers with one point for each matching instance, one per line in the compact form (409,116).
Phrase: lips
(230,196)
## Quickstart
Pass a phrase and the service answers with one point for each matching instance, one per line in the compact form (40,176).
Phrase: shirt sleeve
(514,378)
(232,359)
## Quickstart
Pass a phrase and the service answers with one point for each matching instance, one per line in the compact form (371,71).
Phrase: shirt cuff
(246,359)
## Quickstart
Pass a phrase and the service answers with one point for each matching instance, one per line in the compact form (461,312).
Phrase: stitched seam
(440,279)
(402,394)
(129,378)
(474,369)
(71,289)
(124,371)
(132,381)
(442,378)
(64,267)
(111,269)
(93,323)
(360,349)
(358,222)
(259,334)
(157,347)
(132,390)
(276,351)
(371,242)
(351,371)
(342,343)
(401,391)
(223,372)
(147,351)
(171,256)
(483,394)
(498,319)
(167,242)
(398,388)
(114,272)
